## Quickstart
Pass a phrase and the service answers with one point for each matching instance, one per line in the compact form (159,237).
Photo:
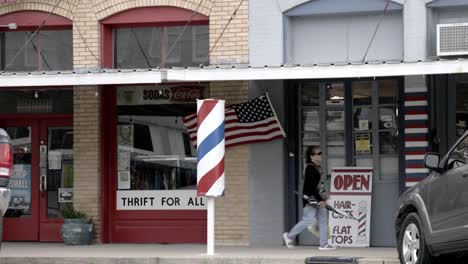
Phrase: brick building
(83,38)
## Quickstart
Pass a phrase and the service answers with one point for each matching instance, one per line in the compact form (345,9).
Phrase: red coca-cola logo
(186,93)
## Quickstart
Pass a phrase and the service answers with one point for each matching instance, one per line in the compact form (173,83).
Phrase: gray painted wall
(343,38)
(266,176)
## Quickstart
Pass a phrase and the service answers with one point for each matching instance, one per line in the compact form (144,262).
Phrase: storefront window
(151,47)
(154,151)
(370,136)
(47,50)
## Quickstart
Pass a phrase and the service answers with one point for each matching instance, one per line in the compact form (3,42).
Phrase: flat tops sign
(160,94)
(160,200)
(351,191)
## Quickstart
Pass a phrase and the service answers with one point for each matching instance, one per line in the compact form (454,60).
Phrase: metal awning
(78,78)
(233,73)
(325,71)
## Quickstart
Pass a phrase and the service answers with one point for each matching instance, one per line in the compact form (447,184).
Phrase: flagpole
(210,226)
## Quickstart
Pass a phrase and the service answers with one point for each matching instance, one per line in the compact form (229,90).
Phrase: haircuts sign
(351,191)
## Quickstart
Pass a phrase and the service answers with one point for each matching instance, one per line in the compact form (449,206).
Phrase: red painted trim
(28,20)
(154,15)
(181,226)
(143,17)
(107,47)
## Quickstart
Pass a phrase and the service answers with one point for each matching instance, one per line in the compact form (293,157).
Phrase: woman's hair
(309,151)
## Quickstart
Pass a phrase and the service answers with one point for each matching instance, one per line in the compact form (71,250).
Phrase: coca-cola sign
(186,93)
(160,94)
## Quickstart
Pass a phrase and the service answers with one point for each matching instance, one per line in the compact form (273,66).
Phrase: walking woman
(315,188)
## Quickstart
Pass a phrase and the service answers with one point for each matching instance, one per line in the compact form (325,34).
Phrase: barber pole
(210,166)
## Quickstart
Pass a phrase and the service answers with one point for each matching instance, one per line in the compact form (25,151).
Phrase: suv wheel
(412,246)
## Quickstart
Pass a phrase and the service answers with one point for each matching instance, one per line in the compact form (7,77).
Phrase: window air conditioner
(452,39)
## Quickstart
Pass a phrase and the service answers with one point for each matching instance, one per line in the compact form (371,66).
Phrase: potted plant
(77,229)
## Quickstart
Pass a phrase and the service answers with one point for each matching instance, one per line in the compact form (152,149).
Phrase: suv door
(449,204)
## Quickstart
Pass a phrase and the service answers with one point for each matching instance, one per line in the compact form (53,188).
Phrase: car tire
(412,247)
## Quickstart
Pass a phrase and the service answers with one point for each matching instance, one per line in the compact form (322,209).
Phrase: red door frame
(37,227)
(138,226)
(49,229)
(165,226)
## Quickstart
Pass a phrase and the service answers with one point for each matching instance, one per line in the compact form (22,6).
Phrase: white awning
(99,77)
(348,70)
(232,73)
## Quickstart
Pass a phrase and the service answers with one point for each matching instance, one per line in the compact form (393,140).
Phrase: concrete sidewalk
(22,252)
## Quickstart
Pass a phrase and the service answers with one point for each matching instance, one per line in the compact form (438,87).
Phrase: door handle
(43,184)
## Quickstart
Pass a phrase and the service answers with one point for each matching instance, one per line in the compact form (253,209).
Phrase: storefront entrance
(42,178)
(449,110)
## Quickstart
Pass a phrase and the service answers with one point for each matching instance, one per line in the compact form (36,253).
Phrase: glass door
(21,221)
(56,175)
(42,180)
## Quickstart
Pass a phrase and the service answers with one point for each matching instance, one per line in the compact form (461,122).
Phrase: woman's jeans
(310,217)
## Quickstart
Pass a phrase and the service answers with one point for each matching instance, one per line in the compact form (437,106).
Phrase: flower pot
(77,232)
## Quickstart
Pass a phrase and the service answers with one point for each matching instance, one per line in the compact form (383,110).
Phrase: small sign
(363,124)
(351,191)
(363,145)
(160,94)
(160,200)
(55,160)
(65,195)
(124,180)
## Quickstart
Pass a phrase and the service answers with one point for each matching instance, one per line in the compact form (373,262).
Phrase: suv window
(459,155)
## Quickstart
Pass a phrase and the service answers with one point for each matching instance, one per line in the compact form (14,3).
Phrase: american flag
(250,122)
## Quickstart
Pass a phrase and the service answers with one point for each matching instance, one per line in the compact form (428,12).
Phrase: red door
(42,178)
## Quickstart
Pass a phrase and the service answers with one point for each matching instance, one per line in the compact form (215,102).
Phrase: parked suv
(6,163)
(432,218)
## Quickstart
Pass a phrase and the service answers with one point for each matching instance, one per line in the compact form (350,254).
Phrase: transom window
(151,47)
(45,51)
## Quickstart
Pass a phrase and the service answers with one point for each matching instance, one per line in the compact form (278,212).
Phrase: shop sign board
(160,94)
(351,191)
(160,200)
(20,186)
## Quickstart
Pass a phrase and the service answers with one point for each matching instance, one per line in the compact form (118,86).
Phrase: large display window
(156,162)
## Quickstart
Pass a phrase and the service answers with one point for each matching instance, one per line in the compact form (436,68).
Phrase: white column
(415,30)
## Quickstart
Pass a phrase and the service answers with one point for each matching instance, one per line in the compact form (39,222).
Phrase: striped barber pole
(362,222)
(416,130)
(210,134)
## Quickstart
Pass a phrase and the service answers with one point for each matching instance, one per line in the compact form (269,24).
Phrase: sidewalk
(23,252)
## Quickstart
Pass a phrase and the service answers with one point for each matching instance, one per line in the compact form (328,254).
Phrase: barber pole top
(210,135)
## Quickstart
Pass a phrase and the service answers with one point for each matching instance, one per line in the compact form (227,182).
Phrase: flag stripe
(250,122)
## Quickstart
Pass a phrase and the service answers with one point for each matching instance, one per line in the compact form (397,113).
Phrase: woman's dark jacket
(313,186)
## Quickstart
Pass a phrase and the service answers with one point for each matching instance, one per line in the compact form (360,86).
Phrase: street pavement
(41,253)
